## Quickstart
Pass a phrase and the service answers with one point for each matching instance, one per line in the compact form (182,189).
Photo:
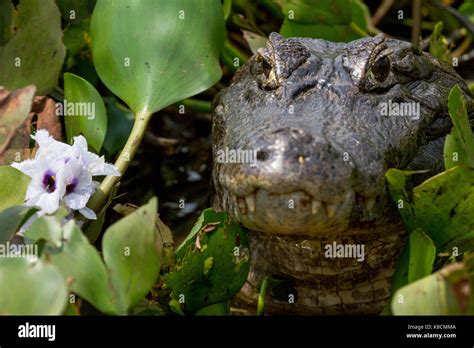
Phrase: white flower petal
(48,146)
(109,169)
(88,213)
(28,167)
(47,202)
(34,190)
(76,201)
(42,137)
(99,167)
(80,143)
(70,171)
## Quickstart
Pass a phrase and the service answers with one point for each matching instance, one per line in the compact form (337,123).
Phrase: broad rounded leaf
(459,145)
(422,255)
(88,116)
(120,123)
(154,53)
(6,18)
(444,205)
(47,228)
(13,187)
(133,255)
(75,11)
(11,219)
(35,52)
(31,288)
(415,261)
(342,20)
(212,264)
(80,263)
(396,180)
(445,292)
(75,37)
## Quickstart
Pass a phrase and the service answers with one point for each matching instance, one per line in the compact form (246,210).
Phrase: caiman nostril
(262,155)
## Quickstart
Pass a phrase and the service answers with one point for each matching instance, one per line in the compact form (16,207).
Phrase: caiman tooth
(369,203)
(315,205)
(250,200)
(331,210)
(242,205)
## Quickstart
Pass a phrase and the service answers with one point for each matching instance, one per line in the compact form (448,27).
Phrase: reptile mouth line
(247,207)
(247,203)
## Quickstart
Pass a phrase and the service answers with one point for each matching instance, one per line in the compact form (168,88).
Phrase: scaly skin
(311,110)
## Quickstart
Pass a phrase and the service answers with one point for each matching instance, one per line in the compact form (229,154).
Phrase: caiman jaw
(297,212)
(292,213)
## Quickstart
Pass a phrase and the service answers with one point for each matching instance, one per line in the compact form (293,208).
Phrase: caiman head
(307,129)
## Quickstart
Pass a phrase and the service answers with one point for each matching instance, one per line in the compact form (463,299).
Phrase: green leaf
(320,11)
(396,180)
(444,205)
(461,245)
(93,228)
(227,8)
(11,219)
(415,261)
(343,20)
(13,187)
(442,293)
(467,9)
(459,145)
(439,45)
(76,11)
(133,255)
(165,236)
(31,288)
(47,228)
(422,255)
(37,43)
(120,123)
(75,36)
(154,53)
(89,117)
(222,308)
(400,278)
(71,310)
(149,308)
(7,12)
(80,263)
(212,264)
(454,152)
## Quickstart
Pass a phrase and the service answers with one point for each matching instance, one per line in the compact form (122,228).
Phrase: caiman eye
(381,68)
(267,68)
(264,73)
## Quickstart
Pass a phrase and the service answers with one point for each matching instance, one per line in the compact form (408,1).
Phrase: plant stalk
(99,199)
(261,296)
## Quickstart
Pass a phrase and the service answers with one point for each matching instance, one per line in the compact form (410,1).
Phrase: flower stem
(99,199)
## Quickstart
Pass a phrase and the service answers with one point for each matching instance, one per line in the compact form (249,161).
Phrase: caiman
(320,124)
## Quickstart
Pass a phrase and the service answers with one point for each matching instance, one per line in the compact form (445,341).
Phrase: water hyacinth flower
(63,173)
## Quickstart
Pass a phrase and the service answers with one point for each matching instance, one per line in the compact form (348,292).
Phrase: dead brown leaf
(15,127)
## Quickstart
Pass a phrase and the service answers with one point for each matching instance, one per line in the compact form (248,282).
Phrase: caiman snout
(296,184)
